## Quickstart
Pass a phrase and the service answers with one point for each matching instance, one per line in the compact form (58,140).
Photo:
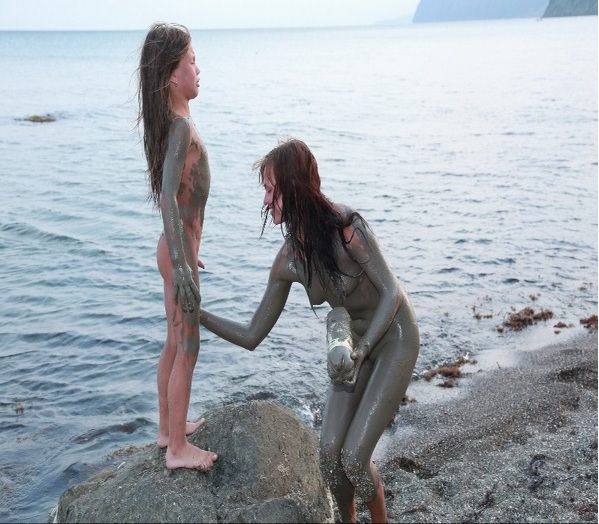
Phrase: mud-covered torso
(194,187)
(360,296)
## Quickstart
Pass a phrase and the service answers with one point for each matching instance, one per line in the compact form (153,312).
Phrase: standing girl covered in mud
(179,178)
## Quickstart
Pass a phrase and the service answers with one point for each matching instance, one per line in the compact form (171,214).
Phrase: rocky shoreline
(516,444)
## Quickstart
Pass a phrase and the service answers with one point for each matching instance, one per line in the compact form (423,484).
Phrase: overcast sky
(197,14)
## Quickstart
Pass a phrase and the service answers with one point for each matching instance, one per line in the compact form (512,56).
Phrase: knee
(351,463)
(170,344)
(357,469)
(330,453)
(191,346)
(330,463)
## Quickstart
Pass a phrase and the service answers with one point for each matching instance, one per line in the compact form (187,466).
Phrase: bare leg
(165,366)
(167,357)
(180,453)
(382,396)
(341,405)
(175,372)
(377,508)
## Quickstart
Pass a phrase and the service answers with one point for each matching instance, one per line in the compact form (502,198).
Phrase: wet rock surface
(267,471)
(40,119)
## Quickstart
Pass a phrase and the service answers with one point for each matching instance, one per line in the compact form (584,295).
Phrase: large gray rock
(267,471)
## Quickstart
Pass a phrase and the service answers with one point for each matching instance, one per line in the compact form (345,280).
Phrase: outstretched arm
(265,317)
(186,290)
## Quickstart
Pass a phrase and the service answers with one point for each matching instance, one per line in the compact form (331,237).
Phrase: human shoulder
(179,129)
(284,267)
(345,212)
(359,238)
(353,222)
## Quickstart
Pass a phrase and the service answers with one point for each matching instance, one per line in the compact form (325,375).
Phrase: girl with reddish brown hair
(330,250)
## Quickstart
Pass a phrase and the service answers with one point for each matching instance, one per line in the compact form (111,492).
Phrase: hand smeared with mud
(186,290)
(342,366)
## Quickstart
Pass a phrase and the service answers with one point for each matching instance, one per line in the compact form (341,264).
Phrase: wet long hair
(163,48)
(309,220)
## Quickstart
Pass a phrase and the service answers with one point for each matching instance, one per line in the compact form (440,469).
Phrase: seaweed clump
(40,119)
(523,318)
(451,372)
(590,322)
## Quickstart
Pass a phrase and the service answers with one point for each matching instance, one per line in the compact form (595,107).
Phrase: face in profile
(185,79)
(275,207)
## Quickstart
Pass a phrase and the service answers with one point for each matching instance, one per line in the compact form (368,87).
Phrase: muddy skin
(387,342)
(179,182)
(185,187)
(339,346)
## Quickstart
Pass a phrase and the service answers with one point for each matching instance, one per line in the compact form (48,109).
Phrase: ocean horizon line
(249,28)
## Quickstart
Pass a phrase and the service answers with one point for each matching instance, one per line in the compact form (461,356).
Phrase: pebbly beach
(517,443)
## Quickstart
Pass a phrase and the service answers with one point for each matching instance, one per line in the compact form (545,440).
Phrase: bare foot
(190,427)
(191,457)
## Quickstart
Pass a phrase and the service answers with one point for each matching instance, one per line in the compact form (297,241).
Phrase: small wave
(240,378)
(127,427)
(79,468)
(68,339)
(262,395)
(19,354)
(12,426)
(23,230)
(28,230)
(500,261)
(448,270)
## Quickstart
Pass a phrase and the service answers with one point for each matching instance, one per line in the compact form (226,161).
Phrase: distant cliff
(571,8)
(452,10)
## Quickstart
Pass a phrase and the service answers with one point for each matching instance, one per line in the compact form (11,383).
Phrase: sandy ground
(516,442)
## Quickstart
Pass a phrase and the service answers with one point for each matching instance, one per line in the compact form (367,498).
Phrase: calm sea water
(470,147)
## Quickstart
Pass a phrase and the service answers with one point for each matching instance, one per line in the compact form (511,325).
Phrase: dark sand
(516,442)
